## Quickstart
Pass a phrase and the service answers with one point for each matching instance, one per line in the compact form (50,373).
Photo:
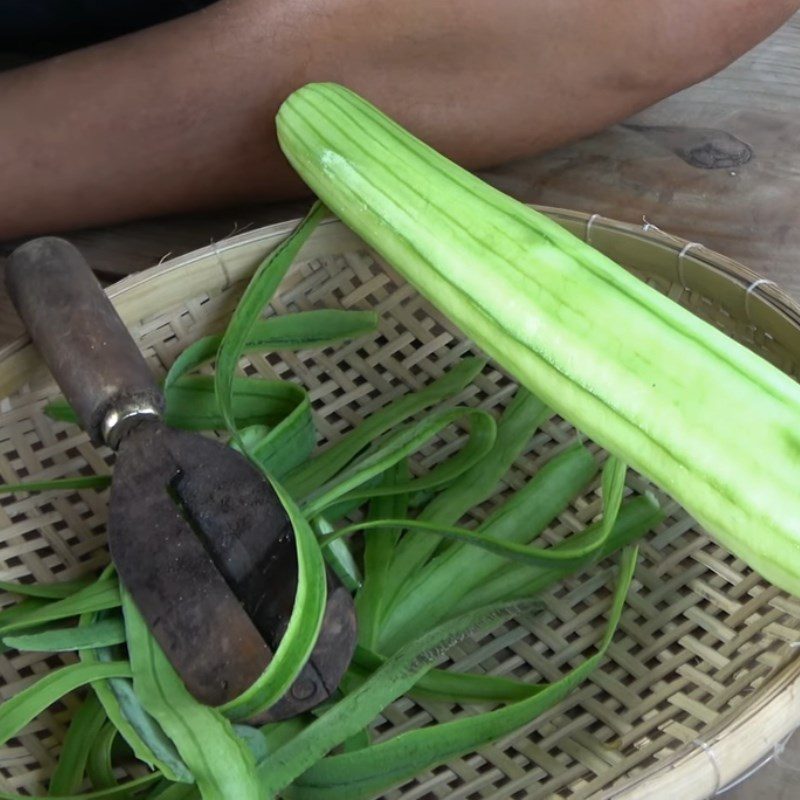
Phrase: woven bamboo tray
(702,680)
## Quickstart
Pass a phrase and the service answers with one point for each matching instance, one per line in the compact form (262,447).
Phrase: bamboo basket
(702,680)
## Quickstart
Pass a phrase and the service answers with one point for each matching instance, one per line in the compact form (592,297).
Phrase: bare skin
(181,116)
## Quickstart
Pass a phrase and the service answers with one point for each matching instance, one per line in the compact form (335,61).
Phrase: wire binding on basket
(774,755)
(648,226)
(222,265)
(712,757)
(588,236)
(237,229)
(750,289)
(686,248)
(780,749)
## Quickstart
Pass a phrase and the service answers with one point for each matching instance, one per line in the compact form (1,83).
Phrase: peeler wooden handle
(81,338)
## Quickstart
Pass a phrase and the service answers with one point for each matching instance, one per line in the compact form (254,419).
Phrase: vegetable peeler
(197,533)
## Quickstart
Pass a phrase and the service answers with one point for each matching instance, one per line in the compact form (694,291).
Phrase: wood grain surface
(718,164)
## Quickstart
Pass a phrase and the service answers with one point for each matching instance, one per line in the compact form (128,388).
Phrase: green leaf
(310,476)
(143,734)
(18,612)
(369,772)
(18,711)
(378,555)
(525,554)
(123,791)
(447,686)
(192,403)
(337,554)
(176,791)
(277,734)
(636,518)
(60,410)
(613,488)
(442,686)
(100,634)
(58,485)
(55,590)
(289,443)
(300,331)
(343,508)
(399,444)
(434,590)
(353,712)
(85,725)
(306,619)
(222,765)
(257,294)
(98,764)
(358,741)
(255,741)
(96,596)
(304,623)
(517,425)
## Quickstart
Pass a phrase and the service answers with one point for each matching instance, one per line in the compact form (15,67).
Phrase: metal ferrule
(123,416)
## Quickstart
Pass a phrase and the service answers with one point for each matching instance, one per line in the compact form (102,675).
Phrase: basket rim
(768,291)
(734,743)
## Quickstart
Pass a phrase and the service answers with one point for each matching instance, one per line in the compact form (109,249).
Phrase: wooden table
(718,164)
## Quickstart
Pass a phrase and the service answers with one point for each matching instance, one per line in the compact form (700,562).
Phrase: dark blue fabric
(40,25)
